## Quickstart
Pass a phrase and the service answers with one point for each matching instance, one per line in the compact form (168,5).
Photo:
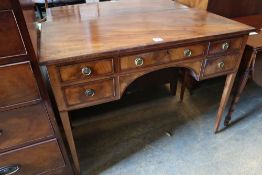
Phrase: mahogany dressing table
(93,52)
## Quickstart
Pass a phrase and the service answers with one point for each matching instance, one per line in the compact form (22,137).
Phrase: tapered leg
(183,85)
(242,84)
(227,90)
(173,83)
(69,136)
(173,88)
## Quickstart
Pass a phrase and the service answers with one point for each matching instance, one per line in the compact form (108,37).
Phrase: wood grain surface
(74,71)
(64,41)
(108,8)
(18,84)
(35,159)
(21,126)
(11,40)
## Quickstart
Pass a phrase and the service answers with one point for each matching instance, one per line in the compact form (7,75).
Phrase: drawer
(23,125)
(218,65)
(11,43)
(188,51)
(18,84)
(144,59)
(163,56)
(86,70)
(224,46)
(88,92)
(36,159)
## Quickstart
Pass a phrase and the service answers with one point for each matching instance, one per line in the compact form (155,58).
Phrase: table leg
(70,139)
(242,84)
(227,90)
(183,85)
(173,83)
(173,87)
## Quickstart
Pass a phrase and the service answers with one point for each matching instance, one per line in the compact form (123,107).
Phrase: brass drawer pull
(221,65)
(187,52)
(139,61)
(86,71)
(225,46)
(8,170)
(90,92)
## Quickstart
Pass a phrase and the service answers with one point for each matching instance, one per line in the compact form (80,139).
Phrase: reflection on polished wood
(110,36)
(199,4)
(227,8)
(138,40)
(108,8)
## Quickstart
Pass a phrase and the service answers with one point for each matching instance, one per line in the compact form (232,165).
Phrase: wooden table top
(71,37)
(108,8)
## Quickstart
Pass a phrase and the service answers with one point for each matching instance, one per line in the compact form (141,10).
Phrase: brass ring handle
(225,46)
(90,92)
(187,52)
(139,61)
(86,71)
(221,65)
(8,170)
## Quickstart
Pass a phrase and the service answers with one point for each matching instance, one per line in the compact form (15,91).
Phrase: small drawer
(36,159)
(218,65)
(88,92)
(144,59)
(86,70)
(188,51)
(23,125)
(18,84)
(218,47)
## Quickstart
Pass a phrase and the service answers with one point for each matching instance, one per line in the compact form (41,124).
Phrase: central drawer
(24,125)
(89,92)
(37,159)
(162,56)
(196,50)
(144,59)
